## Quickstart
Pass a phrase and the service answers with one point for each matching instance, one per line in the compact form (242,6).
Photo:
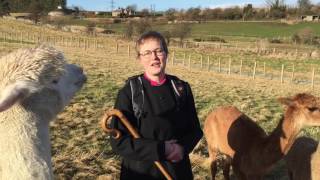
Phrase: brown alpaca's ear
(286,101)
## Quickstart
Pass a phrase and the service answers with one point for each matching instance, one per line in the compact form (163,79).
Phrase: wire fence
(211,63)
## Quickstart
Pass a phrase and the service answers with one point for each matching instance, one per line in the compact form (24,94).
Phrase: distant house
(116,13)
(122,12)
(102,13)
(56,13)
(310,18)
(20,15)
(60,12)
(25,17)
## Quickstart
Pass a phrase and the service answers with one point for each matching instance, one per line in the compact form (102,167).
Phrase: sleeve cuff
(161,150)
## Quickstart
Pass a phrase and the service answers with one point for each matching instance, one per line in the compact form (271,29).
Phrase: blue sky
(105,5)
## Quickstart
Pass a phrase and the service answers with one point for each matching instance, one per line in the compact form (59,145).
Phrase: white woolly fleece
(35,85)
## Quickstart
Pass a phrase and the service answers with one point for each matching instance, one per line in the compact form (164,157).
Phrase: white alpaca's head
(35,85)
(38,79)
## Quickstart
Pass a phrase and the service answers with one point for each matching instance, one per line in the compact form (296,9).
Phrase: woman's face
(153,58)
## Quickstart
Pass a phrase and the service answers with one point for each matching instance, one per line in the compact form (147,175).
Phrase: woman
(161,107)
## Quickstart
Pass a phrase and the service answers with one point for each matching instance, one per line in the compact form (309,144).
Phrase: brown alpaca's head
(304,107)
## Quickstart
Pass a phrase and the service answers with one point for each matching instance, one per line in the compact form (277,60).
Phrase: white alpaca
(35,85)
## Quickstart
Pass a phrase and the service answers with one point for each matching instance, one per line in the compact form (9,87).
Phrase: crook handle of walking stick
(114,112)
(117,134)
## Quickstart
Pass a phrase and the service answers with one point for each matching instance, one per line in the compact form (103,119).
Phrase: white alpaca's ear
(13,93)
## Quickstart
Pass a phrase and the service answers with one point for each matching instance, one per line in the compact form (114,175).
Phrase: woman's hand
(169,146)
(173,151)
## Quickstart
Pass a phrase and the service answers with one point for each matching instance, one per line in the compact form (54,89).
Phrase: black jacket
(161,121)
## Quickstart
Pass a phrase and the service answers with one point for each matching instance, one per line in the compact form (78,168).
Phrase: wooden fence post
(88,43)
(312,78)
(201,61)
(117,47)
(240,70)
(109,65)
(28,36)
(85,43)
(229,67)
(172,58)
(208,62)
(21,38)
(189,61)
(282,71)
(219,65)
(292,73)
(129,50)
(254,70)
(264,69)
(79,42)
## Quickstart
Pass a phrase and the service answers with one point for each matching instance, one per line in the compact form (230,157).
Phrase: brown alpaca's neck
(290,128)
(277,144)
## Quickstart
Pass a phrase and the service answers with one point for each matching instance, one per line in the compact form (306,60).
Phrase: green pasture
(236,28)
(251,29)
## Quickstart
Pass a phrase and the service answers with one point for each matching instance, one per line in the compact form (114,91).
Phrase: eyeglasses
(148,53)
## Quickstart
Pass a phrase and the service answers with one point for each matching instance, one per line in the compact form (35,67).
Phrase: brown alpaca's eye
(55,81)
(312,109)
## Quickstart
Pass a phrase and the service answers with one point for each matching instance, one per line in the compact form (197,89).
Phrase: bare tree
(143,25)
(181,15)
(261,14)
(232,13)
(4,8)
(217,13)
(292,11)
(247,12)
(170,14)
(277,8)
(145,12)
(129,30)
(37,8)
(76,11)
(193,14)
(316,9)
(304,6)
(132,7)
(167,35)
(181,31)
(90,29)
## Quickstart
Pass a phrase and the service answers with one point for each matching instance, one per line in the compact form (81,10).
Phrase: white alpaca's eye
(55,81)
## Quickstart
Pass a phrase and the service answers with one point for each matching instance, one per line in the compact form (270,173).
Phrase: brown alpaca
(303,159)
(250,150)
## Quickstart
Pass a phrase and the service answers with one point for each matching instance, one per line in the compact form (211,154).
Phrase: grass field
(81,150)
(237,29)
(251,29)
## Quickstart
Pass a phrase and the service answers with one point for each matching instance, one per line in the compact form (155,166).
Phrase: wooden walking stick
(117,134)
